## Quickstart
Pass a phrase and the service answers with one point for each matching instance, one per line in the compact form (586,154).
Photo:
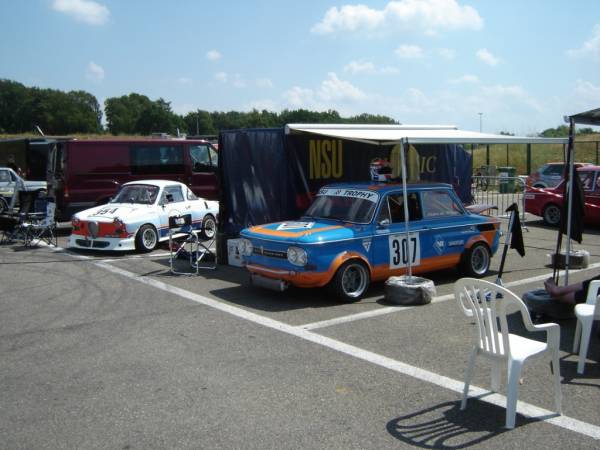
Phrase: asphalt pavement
(112,351)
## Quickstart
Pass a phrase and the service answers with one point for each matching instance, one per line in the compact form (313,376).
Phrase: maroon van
(86,173)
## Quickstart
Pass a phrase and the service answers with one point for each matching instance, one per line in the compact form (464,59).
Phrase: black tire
(146,238)
(476,261)
(3,206)
(351,281)
(551,214)
(209,227)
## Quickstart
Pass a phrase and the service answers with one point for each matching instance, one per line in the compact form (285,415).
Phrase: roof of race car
(159,183)
(385,187)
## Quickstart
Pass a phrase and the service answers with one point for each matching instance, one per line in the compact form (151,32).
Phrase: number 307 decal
(401,246)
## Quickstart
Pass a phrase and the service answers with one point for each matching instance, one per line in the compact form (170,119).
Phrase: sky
(516,66)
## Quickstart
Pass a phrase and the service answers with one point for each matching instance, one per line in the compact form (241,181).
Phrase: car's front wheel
(146,238)
(476,261)
(551,214)
(209,227)
(351,281)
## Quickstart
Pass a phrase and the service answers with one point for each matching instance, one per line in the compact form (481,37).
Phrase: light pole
(480,121)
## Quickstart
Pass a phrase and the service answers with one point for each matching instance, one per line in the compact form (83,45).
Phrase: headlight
(245,247)
(297,256)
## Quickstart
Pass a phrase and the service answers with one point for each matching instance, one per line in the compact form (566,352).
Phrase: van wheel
(476,261)
(209,227)
(551,215)
(351,281)
(146,238)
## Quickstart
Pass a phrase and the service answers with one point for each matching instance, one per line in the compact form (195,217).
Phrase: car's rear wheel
(551,214)
(476,261)
(351,281)
(146,238)
(209,227)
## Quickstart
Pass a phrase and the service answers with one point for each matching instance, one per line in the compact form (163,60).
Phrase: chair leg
(586,330)
(512,391)
(495,376)
(555,366)
(468,376)
(577,337)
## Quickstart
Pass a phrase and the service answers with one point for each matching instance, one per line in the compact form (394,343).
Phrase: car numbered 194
(138,217)
(353,234)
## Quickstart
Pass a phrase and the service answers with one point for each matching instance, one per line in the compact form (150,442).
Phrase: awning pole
(406,218)
(570,152)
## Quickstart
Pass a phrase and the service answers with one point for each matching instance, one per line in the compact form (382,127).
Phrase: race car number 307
(399,250)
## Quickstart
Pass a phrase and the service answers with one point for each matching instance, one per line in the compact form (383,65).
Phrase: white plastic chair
(586,313)
(479,299)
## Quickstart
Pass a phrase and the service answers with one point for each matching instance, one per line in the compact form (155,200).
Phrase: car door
(203,170)
(592,198)
(445,228)
(392,246)
(173,204)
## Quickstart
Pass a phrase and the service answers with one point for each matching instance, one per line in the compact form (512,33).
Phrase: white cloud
(94,72)
(587,96)
(238,81)
(591,47)
(299,97)
(221,77)
(86,11)
(367,67)
(465,79)
(447,53)
(429,16)
(487,57)
(264,83)
(184,81)
(409,52)
(511,94)
(213,55)
(334,89)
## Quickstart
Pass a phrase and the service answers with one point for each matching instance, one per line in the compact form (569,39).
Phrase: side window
(146,159)
(4,176)
(396,207)
(173,194)
(203,157)
(554,169)
(439,204)
(190,195)
(587,180)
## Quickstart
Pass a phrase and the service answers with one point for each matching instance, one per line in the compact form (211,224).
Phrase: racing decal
(456,243)
(296,226)
(401,246)
(366,243)
(352,193)
(104,211)
(439,244)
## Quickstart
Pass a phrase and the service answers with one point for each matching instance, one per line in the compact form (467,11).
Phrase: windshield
(137,193)
(347,205)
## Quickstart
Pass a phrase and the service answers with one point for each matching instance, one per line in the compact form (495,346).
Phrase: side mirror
(383,223)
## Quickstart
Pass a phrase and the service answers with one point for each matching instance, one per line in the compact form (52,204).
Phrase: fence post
(487,154)
(528,159)
(596,152)
(507,162)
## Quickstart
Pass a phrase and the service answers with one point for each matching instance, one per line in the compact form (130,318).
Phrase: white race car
(138,217)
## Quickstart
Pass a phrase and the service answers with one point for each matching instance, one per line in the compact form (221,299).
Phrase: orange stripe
(383,271)
(279,233)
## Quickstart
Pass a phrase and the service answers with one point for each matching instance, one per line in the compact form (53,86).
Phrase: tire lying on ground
(540,302)
(405,290)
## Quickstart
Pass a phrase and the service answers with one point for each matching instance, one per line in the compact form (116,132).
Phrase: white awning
(413,134)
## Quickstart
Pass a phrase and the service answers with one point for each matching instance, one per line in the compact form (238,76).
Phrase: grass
(587,149)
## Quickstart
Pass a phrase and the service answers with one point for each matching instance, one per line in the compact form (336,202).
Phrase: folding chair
(480,299)
(39,225)
(185,243)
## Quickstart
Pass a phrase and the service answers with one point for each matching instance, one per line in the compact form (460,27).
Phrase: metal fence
(500,191)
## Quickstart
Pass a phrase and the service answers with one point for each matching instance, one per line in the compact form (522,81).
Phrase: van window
(204,158)
(147,159)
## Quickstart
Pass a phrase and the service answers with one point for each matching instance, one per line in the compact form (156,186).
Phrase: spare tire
(409,291)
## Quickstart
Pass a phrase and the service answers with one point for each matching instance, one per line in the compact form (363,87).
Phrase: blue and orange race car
(356,233)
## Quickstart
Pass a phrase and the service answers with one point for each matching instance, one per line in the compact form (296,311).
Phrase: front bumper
(101,243)
(305,279)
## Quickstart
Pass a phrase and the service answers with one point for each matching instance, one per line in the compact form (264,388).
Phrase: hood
(310,232)
(110,211)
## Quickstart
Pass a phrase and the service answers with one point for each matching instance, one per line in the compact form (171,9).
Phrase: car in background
(356,233)
(11,183)
(138,217)
(549,175)
(547,203)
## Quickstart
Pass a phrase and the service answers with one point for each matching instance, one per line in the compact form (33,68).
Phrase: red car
(547,203)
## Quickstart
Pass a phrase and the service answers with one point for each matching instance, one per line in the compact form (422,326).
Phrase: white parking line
(439,299)
(525,409)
